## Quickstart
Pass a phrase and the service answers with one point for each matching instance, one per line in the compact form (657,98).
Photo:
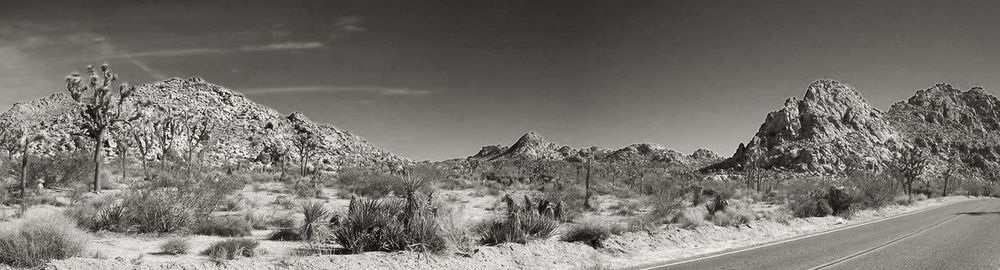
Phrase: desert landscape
(126,165)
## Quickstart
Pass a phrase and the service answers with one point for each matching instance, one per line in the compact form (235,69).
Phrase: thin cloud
(381,91)
(284,46)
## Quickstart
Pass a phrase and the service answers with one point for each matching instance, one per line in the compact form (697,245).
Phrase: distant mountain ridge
(532,146)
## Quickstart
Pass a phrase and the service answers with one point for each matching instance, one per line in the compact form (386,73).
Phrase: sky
(439,79)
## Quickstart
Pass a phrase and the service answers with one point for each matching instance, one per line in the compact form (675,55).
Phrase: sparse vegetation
(175,246)
(589,233)
(39,239)
(226,226)
(230,249)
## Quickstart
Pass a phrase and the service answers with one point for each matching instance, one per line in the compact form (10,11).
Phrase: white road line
(863,252)
(794,238)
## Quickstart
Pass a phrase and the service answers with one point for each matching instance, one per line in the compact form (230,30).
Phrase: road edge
(794,238)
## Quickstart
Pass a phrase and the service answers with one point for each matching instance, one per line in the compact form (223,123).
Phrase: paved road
(964,235)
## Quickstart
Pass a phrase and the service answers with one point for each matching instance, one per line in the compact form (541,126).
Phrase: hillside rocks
(831,127)
(946,121)
(241,132)
(532,146)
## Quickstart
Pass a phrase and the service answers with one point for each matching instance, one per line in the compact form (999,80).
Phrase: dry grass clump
(691,217)
(39,239)
(175,246)
(227,226)
(589,233)
(736,213)
(232,248)
(160,204)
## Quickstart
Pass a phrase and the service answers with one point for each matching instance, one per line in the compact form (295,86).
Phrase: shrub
(256,220)
(625,208)
(919,197)
(228,226)
(383,225)
(455,232)
(175,246)
(285,235)
(516,228)
(39,239)
(876,190)
(663,206)
(833,201)
(314,212)
(285,221)
(589,233)
(232,248)
(371,185)
(156,211)
(691,217)
(100,214)
(736,213)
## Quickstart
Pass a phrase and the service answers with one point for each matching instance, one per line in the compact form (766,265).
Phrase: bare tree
(100,111)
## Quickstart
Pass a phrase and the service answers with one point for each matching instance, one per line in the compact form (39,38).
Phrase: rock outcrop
(830,128)
(946,121)
(243,132)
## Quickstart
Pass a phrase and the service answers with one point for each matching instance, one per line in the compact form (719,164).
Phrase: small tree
(909,166)
(949,172)
(100,111)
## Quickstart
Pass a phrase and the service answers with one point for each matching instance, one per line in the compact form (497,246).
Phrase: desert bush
(589,233)
(161,204)
(832,201)
(285,235)
(226,226)
(371,185)
(100,214)
(39,239)
(572,200)
(232,248)
(385,225)
(314,212)
(455,231)
(175,246)
(256,220)
(875,189)
(520,225)
(691,217)
(284,221)
(156,211)
(625,208)
(663,206)
(736,213)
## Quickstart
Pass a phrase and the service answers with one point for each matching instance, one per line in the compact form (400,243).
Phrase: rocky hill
(947,121)
(242,132)
(833,127)
(532,146)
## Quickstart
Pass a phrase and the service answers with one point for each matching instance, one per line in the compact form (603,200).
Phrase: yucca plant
(314,212)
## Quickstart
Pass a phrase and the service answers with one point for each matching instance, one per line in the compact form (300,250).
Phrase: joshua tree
(590,163)
(910,164)
(950,170)
(101,110)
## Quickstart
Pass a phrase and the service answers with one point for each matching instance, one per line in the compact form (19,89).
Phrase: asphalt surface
(963,235)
